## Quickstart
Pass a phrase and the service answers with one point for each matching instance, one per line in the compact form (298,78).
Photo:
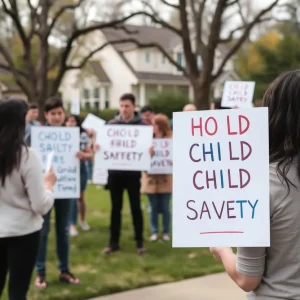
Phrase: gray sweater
(278,265)
(24,199)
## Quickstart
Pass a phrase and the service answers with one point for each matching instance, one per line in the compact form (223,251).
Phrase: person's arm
(245,268)
(40,196)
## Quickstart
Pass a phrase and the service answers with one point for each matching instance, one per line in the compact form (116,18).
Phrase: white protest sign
(100,176)
(124,147)
(92,122)
(64,142)
(238,93)
(162,160)
(49,161)
(75,107)
(221,178)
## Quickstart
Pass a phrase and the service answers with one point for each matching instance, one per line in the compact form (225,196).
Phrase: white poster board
(75,106)
(162,160)
(100,176)
(92,122)
(238,94)
(221,178)
(64,142)
(124,147)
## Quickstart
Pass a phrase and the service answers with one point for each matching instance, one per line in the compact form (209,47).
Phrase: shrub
(105,114)
(167,103)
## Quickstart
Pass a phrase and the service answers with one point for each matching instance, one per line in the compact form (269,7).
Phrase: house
(123,67)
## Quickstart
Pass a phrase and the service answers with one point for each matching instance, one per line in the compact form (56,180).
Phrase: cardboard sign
(221,178)
(238,94)
(124,147)
(92,122)
(64,143)
(162,161)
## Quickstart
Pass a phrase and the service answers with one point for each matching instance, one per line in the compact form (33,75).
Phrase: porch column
(142,94)
(191,93)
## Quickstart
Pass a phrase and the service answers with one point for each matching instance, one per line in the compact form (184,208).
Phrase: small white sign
(100,176)
(238,94)
(124,147)
(92,122)
(75,107)
(162,160)
(49,162)
(64,143)
(221,178)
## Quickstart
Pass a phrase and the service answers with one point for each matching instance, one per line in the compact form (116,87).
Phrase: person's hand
(170,162)
(151,151)
(80,155)
(218,251)
(50,179)
(97,147)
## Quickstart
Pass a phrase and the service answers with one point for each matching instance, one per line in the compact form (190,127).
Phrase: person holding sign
(159,187)
(130,180)
(85,154)
(274,272)
(25,196)
(55,116)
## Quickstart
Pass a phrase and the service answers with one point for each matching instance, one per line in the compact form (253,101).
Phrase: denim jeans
(62,219)
(160,203)
(89,167)
(74,212)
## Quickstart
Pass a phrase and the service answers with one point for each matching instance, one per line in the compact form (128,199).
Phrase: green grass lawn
(125,270)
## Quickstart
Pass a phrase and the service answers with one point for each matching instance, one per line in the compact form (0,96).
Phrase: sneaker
(73,231)
(85,226)
(166,238)
(153,237)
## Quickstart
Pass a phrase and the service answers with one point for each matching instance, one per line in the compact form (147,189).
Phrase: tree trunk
(202,95)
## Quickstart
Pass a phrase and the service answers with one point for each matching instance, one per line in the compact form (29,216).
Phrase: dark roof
(144,34)
(98,70)
(147,76)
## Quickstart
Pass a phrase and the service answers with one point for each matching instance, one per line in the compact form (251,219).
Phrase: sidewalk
(212,287)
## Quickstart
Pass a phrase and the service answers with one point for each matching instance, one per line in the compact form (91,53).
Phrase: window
(87,105)
(97,105)
(147,57)
(179,59)
(199,63)
(96,93)
(86,94)
(163,59)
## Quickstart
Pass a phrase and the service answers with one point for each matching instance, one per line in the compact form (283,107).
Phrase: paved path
(212,287)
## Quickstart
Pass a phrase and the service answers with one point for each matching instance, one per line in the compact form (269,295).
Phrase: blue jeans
(62,219)
(160,203)
(83,185)
(89,167)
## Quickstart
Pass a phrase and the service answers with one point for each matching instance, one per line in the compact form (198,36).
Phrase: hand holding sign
(50,179)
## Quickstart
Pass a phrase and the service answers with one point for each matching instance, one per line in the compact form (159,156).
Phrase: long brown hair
(162,121)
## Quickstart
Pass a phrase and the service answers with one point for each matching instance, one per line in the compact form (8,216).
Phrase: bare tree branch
(155,18)
(13,13)
(34,18)
(241,13)
(6,67)
(170,4)
(61,11)
(198,20)
(190,57)
(233,2)
(244,36)
(14,71)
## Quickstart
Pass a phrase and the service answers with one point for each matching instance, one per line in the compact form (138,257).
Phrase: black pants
(17,257)
(117,183)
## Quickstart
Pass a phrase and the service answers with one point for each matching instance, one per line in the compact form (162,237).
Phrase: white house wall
(118,72)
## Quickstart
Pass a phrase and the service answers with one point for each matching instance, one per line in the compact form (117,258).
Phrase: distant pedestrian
(147,114)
